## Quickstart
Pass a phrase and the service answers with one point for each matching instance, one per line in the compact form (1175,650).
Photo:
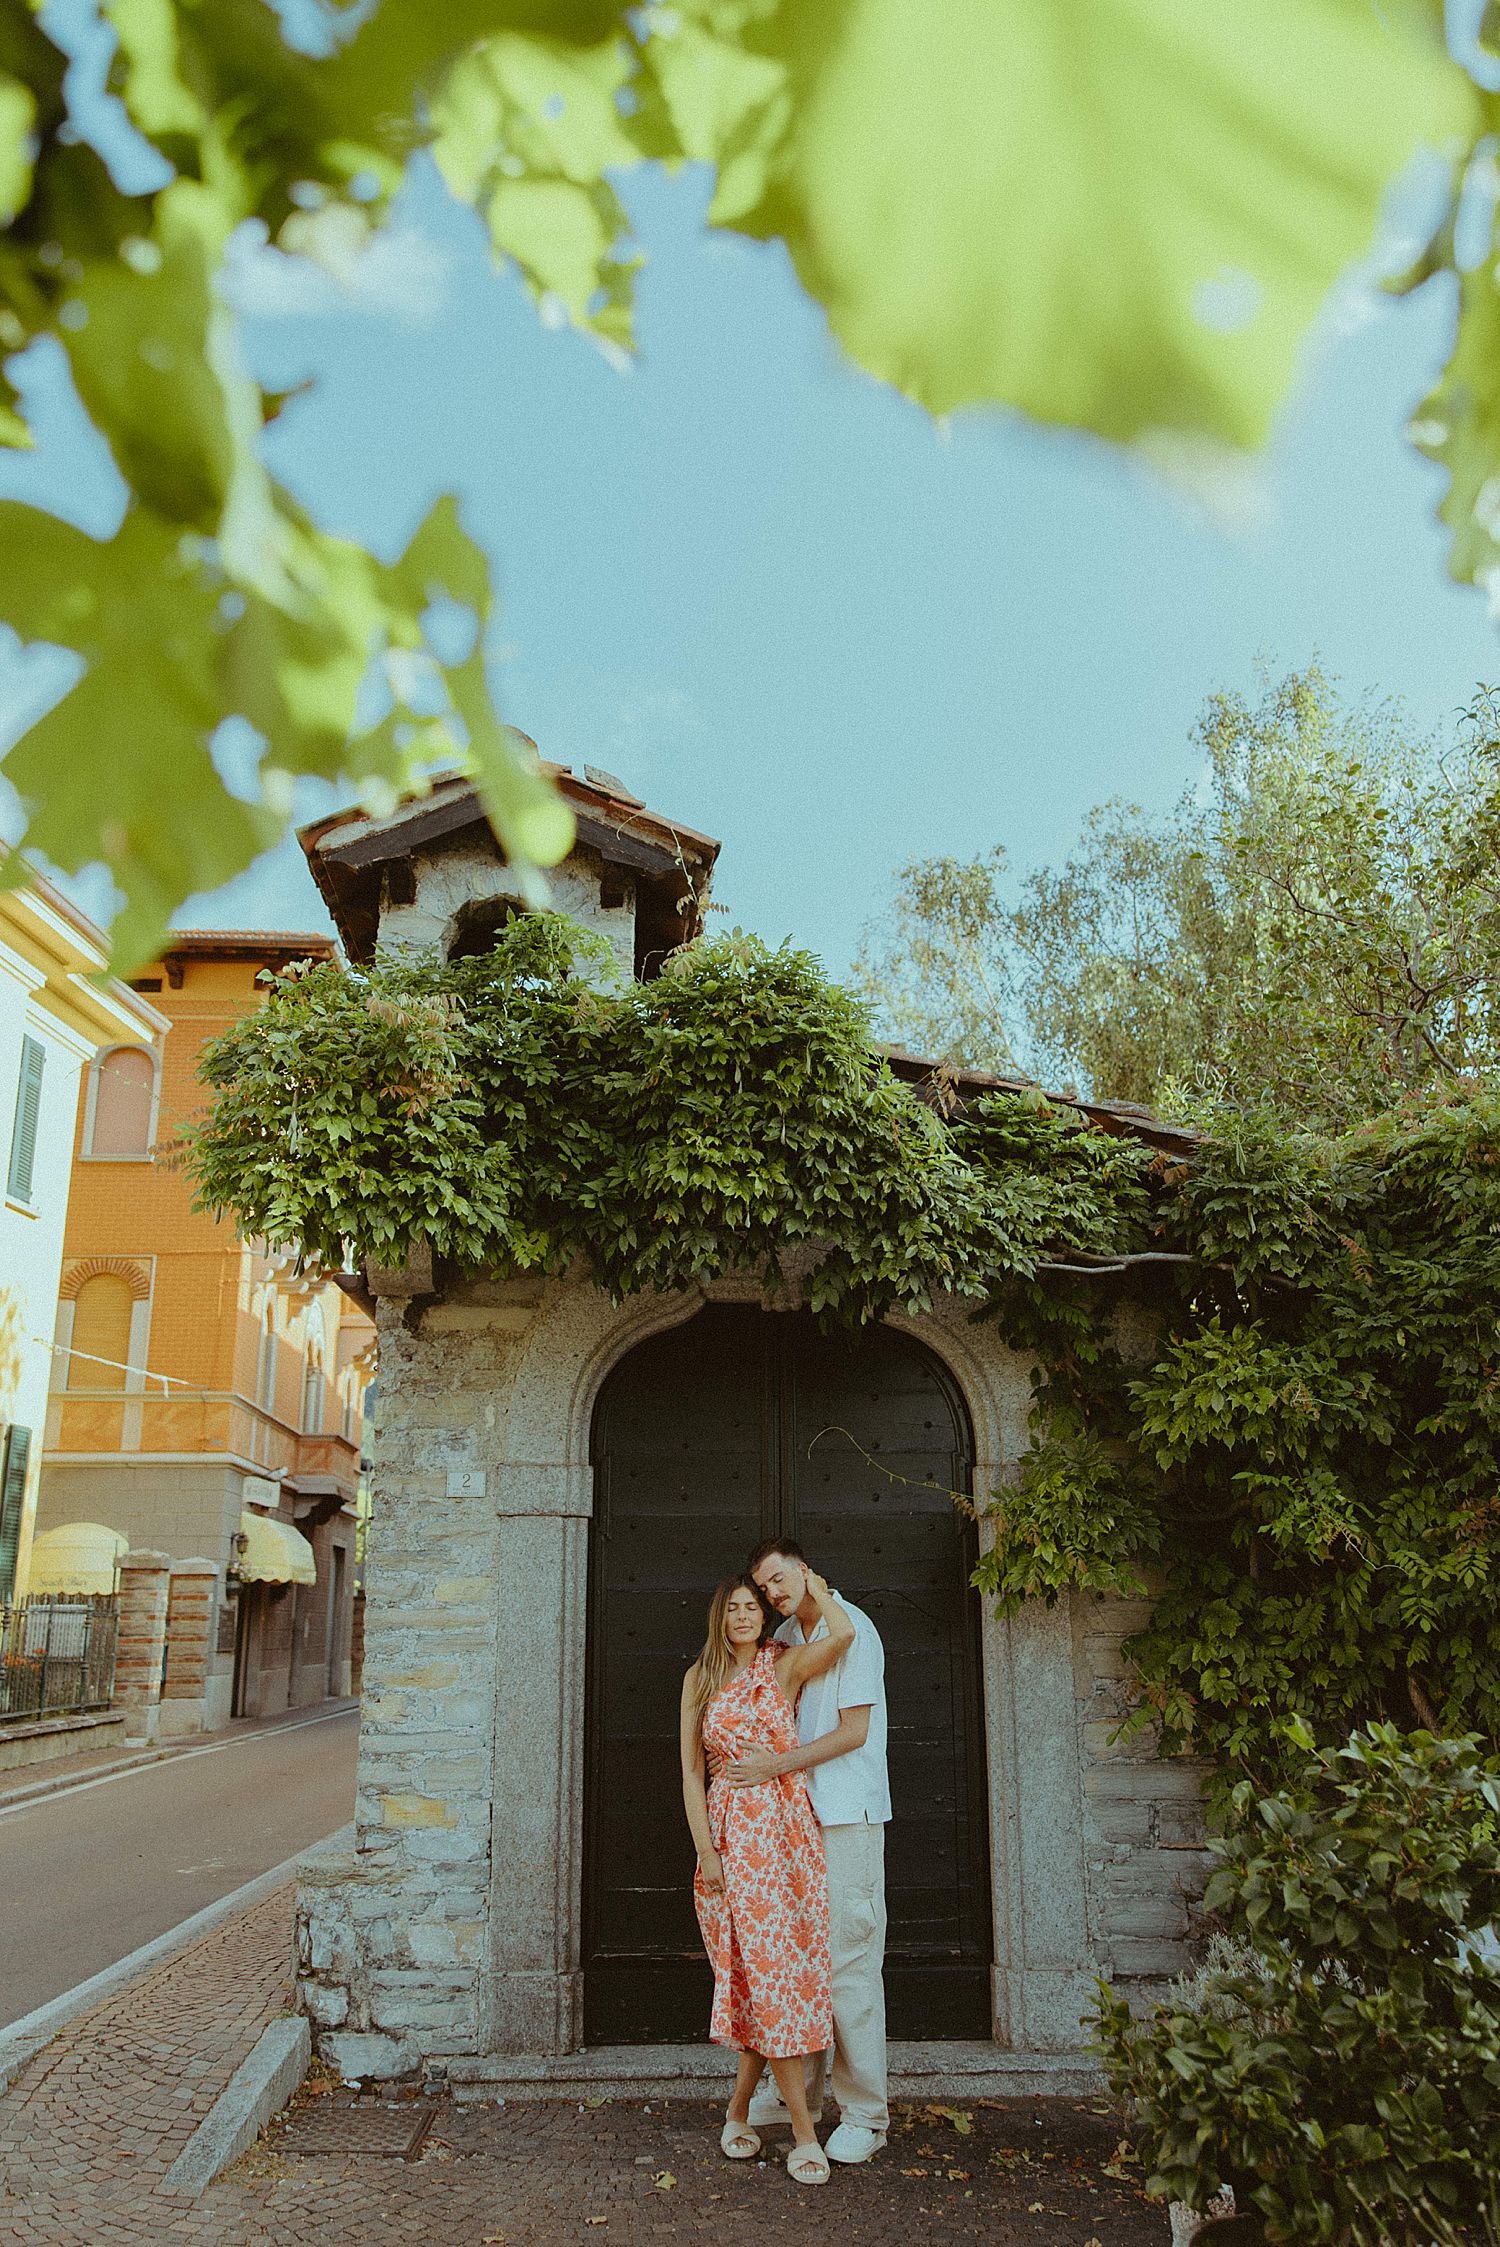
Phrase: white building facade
(58,1008)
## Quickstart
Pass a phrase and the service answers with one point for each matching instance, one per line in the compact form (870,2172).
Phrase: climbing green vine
(509,1111)
(1309,1447)
(1267,1382)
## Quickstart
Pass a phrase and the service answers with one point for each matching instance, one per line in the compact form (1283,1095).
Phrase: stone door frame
(542,1485)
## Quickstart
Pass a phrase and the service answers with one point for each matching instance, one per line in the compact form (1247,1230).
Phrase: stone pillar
(532,1990)
(190,1607)
(144,1580)
(391,1936)
(1044,1967)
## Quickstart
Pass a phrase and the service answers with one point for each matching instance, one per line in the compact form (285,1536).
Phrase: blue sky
(787,608)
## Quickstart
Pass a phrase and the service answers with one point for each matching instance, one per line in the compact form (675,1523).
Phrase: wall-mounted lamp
(238,1543)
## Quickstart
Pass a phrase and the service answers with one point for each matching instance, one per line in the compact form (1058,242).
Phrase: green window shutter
(28,1117)
(17,1452)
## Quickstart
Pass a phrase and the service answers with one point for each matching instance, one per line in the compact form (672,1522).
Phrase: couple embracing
(788,1723)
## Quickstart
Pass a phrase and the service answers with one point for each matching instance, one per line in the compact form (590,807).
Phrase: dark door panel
(741,1424)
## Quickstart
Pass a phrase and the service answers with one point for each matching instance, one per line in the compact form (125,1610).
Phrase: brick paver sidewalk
(1023,2173)
(92,2124)
(90,2127)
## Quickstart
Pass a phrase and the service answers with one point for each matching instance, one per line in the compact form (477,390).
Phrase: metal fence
(57,1656)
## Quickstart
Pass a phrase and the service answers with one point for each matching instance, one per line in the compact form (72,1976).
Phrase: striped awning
(275,1553)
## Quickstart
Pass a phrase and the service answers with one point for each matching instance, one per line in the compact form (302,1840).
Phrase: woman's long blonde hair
(716,1663)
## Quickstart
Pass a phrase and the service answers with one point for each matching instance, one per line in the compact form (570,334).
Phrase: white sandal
(738,2142)
(808,2165)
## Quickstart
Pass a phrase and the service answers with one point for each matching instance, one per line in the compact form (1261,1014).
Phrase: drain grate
(396,2128)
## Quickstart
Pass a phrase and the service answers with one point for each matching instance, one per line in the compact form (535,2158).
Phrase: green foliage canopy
(1318,925)
(510,1113)
(1123,219)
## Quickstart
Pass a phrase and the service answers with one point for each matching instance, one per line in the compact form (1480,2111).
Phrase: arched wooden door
(706,1439)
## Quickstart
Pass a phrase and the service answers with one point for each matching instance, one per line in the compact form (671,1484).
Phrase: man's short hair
(788,1548)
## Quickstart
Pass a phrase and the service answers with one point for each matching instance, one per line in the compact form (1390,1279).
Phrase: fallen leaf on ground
(596,2219)
(664,2180)
(1035,2209)
(914,2172)
(958,2176)
(962,2123)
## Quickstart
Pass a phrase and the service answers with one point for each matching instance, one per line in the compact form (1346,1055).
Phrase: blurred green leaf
(17,148)
(1122,218)
(140,613)
(1458,426)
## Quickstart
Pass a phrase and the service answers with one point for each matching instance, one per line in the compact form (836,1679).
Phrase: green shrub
(512,1114)
(1343,2072)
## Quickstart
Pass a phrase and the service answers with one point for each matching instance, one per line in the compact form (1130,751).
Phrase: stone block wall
(1142,1813)
(391,1936)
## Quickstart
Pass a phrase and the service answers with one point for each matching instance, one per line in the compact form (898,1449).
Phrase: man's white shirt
(852,1789)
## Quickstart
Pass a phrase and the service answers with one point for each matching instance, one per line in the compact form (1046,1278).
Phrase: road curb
(191,1743)
(23,2039)
(37,1790)
(258,2088)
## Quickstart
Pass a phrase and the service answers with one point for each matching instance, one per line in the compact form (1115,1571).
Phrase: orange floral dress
(767,1934)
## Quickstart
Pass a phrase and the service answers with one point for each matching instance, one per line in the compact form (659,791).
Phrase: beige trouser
(856,1910)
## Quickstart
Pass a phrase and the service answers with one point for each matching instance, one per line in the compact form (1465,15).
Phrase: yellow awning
(275,1553)
(77,1556)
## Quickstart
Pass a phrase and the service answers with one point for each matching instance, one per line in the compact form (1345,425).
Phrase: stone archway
(475,1737)
(738,1424)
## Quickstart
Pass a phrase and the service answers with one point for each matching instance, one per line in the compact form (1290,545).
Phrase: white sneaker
(851,2142)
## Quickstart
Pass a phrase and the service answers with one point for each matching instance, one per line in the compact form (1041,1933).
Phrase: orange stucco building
(201,1386)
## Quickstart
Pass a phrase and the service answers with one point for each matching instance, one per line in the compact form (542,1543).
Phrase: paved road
(91,1873)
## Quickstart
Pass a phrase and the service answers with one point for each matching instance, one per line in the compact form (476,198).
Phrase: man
(841,1725)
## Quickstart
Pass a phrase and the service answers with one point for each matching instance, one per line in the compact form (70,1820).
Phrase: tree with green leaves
(1122,219)
(1316,925)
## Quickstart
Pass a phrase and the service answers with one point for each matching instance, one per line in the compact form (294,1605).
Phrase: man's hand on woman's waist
(756,1769)
(851,1731)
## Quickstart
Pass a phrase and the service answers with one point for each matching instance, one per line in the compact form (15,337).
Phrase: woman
(761,1887)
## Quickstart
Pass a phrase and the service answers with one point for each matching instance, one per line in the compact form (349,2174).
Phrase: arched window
(314,1383)
(123,1102)
(476,925)
(265,1360)
(100,1349)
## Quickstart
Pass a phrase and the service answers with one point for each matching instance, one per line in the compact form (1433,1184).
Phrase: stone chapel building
(558,1482)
